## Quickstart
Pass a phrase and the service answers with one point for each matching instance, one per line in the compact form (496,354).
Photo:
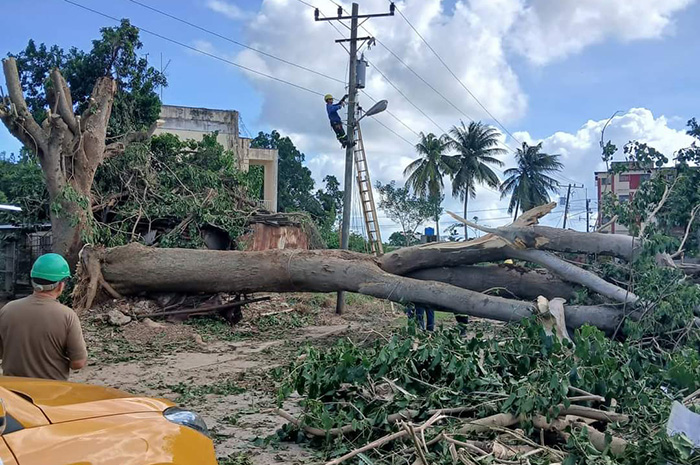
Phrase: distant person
(40,337)
(425,317)
(421,313)
(334,117)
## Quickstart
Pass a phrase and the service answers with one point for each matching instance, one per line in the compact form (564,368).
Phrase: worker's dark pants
(340,132)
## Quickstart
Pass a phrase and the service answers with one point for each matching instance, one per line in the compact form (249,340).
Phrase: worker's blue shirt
(332,109)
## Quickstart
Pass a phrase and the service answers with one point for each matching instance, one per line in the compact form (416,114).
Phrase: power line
(456,77)
(240,44)
(260,73)
(449,102)
(559,177)
(405,97)
(386,78)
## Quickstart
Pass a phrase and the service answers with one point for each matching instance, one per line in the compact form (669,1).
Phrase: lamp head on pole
(378,107)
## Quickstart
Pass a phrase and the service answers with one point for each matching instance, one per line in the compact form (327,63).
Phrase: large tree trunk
(490,248)
(69,148)
(136,269)
(503,280)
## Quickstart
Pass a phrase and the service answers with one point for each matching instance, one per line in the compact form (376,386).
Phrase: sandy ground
(224,373)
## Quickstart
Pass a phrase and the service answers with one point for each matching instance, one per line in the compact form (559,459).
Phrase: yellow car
(46,422)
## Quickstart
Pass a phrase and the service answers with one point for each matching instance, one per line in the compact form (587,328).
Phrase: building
(194,123)
(624,185)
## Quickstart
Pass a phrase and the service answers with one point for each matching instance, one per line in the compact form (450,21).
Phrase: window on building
(644,177)
(604,181)
(624,178)
(624,197)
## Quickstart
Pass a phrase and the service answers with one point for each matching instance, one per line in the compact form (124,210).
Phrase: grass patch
(238,458)
(188,392)
(216,329)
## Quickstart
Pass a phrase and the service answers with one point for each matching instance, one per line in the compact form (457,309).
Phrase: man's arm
(75,345)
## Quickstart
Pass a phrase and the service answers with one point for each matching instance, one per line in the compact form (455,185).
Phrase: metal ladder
(364,188)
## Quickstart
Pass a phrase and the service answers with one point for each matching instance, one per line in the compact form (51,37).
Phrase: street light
(378,107)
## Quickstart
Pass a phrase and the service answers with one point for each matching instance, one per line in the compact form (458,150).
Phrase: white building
(194,123)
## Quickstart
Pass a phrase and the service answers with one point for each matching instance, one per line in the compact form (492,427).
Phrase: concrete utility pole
(352,100)
(568,196)
(588,215)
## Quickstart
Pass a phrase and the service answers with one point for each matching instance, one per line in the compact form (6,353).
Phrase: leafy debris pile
(523,397)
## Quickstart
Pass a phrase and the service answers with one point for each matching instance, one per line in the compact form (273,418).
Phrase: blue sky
(552,84)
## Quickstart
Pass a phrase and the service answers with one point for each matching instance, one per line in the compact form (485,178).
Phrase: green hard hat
(51,267)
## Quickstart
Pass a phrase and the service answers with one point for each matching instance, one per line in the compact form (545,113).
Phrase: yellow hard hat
(508,261)
(328,96)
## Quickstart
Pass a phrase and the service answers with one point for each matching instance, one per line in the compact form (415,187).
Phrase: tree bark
(491,248)
(504,280)
(69,149)
(135,269)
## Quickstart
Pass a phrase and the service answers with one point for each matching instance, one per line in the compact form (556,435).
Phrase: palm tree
(528,184)
(477,146)
(425,174)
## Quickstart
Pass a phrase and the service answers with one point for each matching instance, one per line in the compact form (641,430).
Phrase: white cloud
(227,9)
(580,152)
(473,39)
(203,45)
(552,29)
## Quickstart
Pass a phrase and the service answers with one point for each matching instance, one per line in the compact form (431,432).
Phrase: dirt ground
(225,373)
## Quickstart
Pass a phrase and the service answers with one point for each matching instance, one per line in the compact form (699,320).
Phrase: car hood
(62,401)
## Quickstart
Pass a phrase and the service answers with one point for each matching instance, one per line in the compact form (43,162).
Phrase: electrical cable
(194,49)
(455,76)
(240,44)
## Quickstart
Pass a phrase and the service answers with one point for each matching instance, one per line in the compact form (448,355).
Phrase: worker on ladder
(334,117)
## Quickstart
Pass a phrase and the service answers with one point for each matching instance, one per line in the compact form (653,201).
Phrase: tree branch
(687,231)
(64,101)
(652,216)
(117,148)
(24,119)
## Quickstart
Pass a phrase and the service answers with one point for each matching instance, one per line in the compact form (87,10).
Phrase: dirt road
(224,373)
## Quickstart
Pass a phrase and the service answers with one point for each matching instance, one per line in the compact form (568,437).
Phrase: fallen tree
(136,269)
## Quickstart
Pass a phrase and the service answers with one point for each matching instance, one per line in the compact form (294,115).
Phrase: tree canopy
(529,183)
(136,102)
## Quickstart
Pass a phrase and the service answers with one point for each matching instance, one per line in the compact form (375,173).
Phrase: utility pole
(588,213)
(566,205)
(568,196)
(352,100)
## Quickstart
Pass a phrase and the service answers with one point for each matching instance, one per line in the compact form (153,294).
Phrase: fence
(18,250)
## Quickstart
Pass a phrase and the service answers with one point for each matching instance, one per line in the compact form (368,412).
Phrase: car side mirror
(3,417)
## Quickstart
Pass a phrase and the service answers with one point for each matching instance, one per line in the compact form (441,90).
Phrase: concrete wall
(194,123)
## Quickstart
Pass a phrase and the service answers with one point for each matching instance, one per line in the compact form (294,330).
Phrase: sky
(550,71)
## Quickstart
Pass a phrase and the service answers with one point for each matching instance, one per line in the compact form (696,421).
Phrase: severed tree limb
(574,274)
(693,212)
(515,281)
(561,268)
(597,439)
(608,224)
(24,118)
(594,414)
(64,102)
(386,439)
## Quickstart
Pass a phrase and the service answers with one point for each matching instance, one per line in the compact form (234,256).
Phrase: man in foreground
(40,337)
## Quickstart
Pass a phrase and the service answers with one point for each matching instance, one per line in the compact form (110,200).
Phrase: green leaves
(520,372)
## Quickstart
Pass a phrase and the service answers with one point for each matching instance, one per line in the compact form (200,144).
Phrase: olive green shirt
(39,337)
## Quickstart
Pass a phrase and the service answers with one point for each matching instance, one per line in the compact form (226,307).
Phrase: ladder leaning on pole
(364,187)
